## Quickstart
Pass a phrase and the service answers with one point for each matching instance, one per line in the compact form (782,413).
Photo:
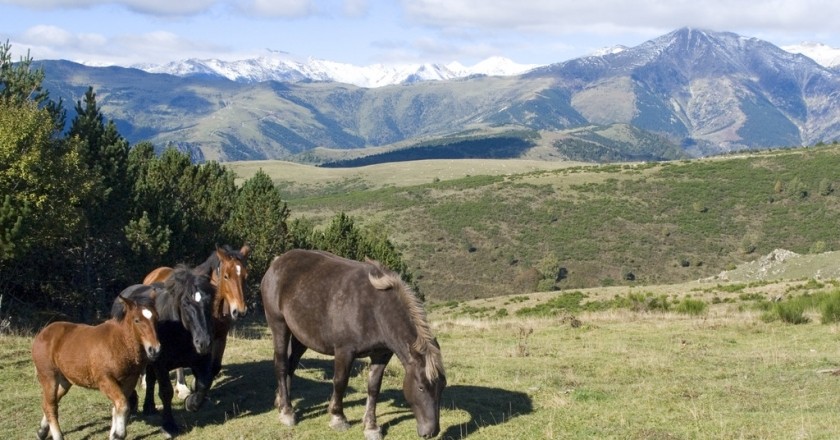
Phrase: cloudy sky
(363,32)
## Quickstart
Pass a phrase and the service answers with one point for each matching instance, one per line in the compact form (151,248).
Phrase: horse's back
(313,273)
(322,298)
(158,275)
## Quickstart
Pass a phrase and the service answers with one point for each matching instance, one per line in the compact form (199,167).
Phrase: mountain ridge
(704,91)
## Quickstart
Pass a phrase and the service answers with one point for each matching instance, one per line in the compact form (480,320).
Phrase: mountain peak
(286,67)
(823,54)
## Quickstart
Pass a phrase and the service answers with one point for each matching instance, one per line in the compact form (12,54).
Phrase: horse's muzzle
(152,352)
(201,346)
(428,431)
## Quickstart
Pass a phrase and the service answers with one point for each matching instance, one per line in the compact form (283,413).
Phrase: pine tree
(259,218)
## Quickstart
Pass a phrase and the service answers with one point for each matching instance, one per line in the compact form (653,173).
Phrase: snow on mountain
(280,66)
(609,51)
(824,55)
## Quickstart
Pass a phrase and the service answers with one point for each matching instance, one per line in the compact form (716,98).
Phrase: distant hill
(702,92)
(486,232)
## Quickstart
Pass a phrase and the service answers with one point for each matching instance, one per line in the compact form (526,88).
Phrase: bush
(792,312)
(692,307)
(830,308)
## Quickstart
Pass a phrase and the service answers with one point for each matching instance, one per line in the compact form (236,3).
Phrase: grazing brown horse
(228,270)
(109,356)
(350,309)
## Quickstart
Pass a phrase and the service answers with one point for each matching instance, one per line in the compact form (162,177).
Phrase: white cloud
(150,7)
(276,8)
(561,17)
(52,42)
(355,8)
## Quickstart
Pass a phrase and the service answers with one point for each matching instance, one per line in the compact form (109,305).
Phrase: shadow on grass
(486,407)
(247,389)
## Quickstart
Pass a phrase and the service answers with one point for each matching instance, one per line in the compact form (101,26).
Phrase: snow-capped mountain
(705,91)
(280,66)
(823,54)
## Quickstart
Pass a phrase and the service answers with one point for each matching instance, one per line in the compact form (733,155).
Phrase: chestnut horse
(109,356)
(351,309)
(185,330)
(228,271)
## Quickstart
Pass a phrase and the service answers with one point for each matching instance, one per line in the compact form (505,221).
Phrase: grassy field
(620,373)
(475,229)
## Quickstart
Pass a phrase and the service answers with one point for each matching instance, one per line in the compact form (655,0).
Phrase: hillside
(481,236)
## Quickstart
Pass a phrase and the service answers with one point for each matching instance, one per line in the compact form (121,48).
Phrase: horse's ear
(153,293)
(126,303)
(245,251)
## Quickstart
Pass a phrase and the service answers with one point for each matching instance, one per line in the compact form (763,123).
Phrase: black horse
(185,332)
(350,309)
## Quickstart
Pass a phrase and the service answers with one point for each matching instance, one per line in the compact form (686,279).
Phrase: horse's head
(194,294)
(423,385)
(229,278)
(141,318)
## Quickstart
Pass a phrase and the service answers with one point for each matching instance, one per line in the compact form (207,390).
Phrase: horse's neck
(221,308)
(400,335)
(120,334)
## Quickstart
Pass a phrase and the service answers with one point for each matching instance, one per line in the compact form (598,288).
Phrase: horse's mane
(183,281)
(212,262)
(425,344)
(141,300)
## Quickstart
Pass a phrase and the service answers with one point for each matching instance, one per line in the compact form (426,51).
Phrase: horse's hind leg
(54,388)
(343,364)
(281,336)
(377,368)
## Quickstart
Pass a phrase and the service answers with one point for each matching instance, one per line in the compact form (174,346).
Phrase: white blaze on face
(147,313)
(197,296)
(238,270)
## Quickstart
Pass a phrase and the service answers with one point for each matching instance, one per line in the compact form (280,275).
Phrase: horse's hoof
(339,423)
(149,410)
(193,403)
(287,419)
(373,434)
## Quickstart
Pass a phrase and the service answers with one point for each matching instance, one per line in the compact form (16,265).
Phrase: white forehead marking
(147,313)
(197,296)
(238,270)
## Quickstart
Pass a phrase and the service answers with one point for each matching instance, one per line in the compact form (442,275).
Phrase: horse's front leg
(181,384)
(149,399)
(377,369)
(119,412)
(343,364)
(218,351)
(203,380)
(165,392)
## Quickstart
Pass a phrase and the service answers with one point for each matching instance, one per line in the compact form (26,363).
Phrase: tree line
(84,214)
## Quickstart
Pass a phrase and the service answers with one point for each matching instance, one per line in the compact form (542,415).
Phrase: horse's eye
(137,320)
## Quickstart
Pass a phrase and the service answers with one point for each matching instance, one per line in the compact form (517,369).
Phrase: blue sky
(363,32)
